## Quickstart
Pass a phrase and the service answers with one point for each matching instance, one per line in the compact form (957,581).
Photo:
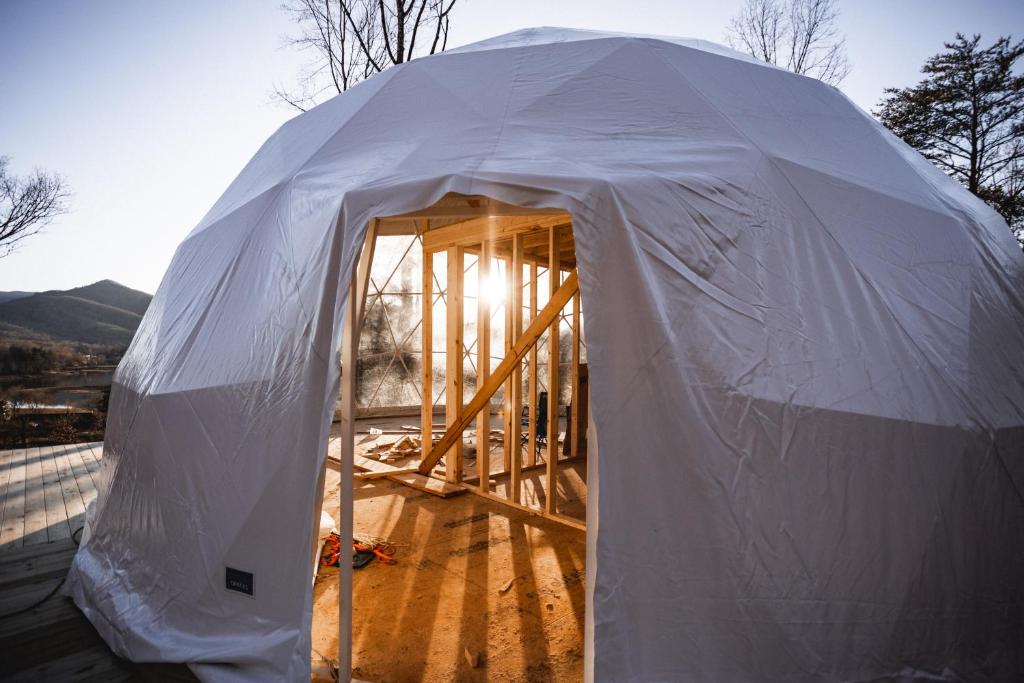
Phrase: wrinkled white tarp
(805,342)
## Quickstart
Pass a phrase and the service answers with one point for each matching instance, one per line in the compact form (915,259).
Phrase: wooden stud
(365,261)
(516,303)
(508,429)
(427,348)
(349,347)
(453,362)
(361,277)
(576,435)
(554,273)
(483,364)
(531,381)
(547,316)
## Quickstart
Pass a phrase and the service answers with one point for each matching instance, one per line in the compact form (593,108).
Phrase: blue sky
(150,109)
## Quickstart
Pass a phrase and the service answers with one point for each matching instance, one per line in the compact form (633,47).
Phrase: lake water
(79,389)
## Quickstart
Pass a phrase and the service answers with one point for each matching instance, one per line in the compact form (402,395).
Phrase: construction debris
(387,449)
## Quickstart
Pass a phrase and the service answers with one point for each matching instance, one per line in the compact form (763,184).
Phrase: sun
(493,289)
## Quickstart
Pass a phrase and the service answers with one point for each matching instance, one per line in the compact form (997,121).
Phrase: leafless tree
(800,35)
(28,204)
(350,40)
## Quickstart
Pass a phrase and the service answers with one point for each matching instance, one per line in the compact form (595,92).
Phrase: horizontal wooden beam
(520,347)
(571,522)
(465,206)
(468,233)
(402,475)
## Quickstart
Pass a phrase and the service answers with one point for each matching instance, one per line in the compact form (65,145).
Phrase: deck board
(54,641)
(73,504)
(57,527)
(7,464)
(44,492)
(35,507)
(13,528)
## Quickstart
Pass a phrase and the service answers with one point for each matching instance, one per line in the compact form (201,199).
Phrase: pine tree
(967,117)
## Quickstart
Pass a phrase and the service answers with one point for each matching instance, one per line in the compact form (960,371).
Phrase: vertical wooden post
(362,278)
(427,347)
(365,261)
(453,361)
(555,275)
(483,364)
(577,436)
(531,382)
(515,479)
(509,425)
(349,346)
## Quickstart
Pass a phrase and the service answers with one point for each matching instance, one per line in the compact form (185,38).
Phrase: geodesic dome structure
(804,343)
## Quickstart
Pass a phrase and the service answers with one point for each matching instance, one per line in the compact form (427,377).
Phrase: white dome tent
(804,343)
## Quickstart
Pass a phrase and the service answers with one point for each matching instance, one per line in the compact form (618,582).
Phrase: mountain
(11,296)
(101,313)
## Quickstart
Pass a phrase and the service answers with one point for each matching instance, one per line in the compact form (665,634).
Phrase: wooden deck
(43,495)
(44,491)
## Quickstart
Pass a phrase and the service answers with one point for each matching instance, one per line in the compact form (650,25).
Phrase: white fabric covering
(804,342)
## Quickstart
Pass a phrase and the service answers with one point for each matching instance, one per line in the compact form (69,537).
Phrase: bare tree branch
(351,40)
(800,35)
(29,204)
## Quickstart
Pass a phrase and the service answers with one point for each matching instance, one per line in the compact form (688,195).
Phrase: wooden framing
(483,364)
(519,238)
(427,351)
(496,230)
(351,328)
(453,362)
(361,282)
(470,233)
(574,442)
(554,275)
(546,317)
(509,426)
(516,379)
(531,383)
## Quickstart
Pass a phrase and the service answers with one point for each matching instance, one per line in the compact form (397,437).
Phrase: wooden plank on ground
(428,484)
(13,530)
(407,476)
(375,468)
(35,507)
(56,514)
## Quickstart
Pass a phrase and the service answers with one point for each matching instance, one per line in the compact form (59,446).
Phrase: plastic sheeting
(804,341)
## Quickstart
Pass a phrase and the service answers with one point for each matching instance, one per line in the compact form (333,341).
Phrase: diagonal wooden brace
(520,348)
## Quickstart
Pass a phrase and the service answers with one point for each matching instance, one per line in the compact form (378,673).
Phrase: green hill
(101,313)
(11,296)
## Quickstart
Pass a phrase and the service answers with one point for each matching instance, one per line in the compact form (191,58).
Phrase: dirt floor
(480,591)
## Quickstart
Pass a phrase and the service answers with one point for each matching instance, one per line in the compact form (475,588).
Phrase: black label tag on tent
(238,581)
